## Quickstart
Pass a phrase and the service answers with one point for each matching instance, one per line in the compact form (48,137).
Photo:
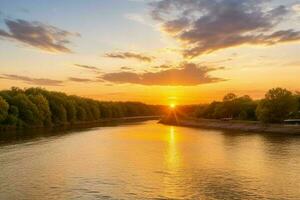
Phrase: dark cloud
(81,80)
(204,26)
(33,81)
(125,55)
(187,74)
(37,34)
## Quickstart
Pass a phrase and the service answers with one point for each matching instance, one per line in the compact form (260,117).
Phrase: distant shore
(250,126)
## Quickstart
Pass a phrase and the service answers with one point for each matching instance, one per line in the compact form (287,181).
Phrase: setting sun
(172,105)
(150,99)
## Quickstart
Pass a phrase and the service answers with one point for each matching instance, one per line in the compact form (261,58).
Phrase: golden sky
(158,52)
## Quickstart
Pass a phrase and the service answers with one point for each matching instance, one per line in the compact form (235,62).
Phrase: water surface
(151,161)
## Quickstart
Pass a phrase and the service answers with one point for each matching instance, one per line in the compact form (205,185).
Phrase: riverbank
(85,124)
(250,126)
(14,134)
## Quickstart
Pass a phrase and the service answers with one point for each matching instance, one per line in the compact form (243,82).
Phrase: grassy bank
(251,126)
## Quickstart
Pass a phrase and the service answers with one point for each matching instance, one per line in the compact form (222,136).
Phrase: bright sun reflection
(172,137)
(173,182)
(172,154)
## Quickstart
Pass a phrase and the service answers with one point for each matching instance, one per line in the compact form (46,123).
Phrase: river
(147,160)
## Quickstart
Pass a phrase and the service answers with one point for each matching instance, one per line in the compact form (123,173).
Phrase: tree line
(277,105)
(36,107)
(41,108)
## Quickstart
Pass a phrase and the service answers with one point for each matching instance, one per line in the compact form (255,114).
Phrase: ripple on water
(152,161)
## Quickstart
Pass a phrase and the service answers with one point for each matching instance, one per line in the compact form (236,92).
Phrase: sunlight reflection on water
(149,160)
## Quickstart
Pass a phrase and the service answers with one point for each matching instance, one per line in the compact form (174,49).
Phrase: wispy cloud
(129,55)
(187,74)
(205,26)
(33,81)
(37,34)
(162,67)
(81,80)
(48,82)
(88,67)
(85,80)
(127,68)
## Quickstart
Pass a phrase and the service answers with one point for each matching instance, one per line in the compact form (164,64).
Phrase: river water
(147,160)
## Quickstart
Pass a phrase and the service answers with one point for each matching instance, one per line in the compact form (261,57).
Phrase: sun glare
(172,105)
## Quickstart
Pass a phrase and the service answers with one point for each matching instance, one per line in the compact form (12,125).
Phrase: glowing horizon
(133,50)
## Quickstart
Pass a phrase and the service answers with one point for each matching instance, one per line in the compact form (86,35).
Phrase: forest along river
(147,160)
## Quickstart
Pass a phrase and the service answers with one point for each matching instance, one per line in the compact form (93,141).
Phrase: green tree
(3,109)
(276,106)
(245,108)
(43,108)
(28,111)
(60,113)
(70,107)
(56,104)
(105,110)
(81,113)
(39,107)
(229,97)
(94,110)
(13,116)
(297,95)
(232,106)
(210,111)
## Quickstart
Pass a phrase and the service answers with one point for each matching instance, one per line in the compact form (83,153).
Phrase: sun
(172,105)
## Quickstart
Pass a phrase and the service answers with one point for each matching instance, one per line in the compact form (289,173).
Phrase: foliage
(3,109)
(39,107)
(242,108)
(28,111)
(43,108)
(278,105)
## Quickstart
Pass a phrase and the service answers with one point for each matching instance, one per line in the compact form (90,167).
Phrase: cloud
(81,80)
(86,67)
(126,55)
(127,68)
(37,34)
(187,74)
(85,80)
(162,67)
(33,81)
(89,67)
(47,82)
(205,26)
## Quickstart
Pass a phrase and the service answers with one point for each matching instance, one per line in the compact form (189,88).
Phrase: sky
(153,51)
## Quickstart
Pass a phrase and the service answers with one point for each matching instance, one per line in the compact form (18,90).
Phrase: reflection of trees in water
(23,135)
